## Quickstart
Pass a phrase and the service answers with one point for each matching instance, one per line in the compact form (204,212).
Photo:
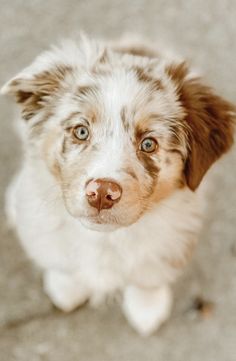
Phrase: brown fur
(124,119)
(157,84)
(149,164)
(128,170)
(85,90)
(145,77)
(40,87)
(142,75)
(177,72)
(210,122)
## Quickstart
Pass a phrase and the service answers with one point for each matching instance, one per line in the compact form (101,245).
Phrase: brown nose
(103,193)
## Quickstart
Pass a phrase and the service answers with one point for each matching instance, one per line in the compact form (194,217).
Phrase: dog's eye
(81,132)
(148,145)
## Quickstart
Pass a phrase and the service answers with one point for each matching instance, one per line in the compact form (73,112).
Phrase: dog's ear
(33,88)
(54,70)
(210,122)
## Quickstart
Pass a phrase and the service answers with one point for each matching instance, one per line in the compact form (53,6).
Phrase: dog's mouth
(100,223)
(105,220)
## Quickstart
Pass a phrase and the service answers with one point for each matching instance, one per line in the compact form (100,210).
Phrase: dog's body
(131,99)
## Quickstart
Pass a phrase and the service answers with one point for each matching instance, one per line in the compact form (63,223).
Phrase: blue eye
(81,132)
(148,145)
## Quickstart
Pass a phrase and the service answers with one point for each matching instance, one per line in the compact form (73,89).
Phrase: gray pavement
(30,328)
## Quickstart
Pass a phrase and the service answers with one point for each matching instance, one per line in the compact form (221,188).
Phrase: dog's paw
(146,310)
(64,290)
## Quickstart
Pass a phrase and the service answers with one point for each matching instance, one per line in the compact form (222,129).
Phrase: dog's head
(119,129)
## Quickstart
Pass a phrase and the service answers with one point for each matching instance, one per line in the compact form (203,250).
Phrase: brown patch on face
(130,172)
(143,76)
(145,158)
(87,117)
(140,130)
(84,90)
(157,84)
(210,123)
(149,164)
(123,115)
(64,146)
(170,177)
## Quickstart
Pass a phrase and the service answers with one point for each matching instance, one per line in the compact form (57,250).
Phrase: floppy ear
(33,89)
(210,122)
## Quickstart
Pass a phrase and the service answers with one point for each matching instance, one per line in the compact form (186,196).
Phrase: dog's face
(117,138)
(119,132)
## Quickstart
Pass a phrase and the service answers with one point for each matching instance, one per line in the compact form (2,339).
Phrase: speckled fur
(141,245)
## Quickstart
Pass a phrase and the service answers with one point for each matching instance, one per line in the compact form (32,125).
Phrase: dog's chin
(104,221)
(95,224)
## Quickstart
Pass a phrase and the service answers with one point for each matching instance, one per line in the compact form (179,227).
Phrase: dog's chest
(136,254)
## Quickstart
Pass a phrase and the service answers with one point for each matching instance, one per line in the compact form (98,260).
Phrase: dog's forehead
(128,95)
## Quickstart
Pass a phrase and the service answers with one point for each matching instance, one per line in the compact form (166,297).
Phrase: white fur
(147,309)
(81,264)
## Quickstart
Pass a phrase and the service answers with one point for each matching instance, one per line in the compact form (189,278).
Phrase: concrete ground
(30,328)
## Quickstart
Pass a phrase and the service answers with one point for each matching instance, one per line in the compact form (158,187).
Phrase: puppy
(117,138)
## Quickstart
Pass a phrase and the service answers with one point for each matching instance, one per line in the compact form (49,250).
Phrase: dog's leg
(65,290)
(147,309)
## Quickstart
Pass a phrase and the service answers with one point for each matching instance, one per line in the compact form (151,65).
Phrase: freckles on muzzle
(102,193)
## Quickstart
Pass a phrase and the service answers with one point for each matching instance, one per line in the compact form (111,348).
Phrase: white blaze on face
(114,145)
(107,161)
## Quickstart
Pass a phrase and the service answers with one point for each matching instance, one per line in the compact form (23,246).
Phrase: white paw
(147,309)
(64,290)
